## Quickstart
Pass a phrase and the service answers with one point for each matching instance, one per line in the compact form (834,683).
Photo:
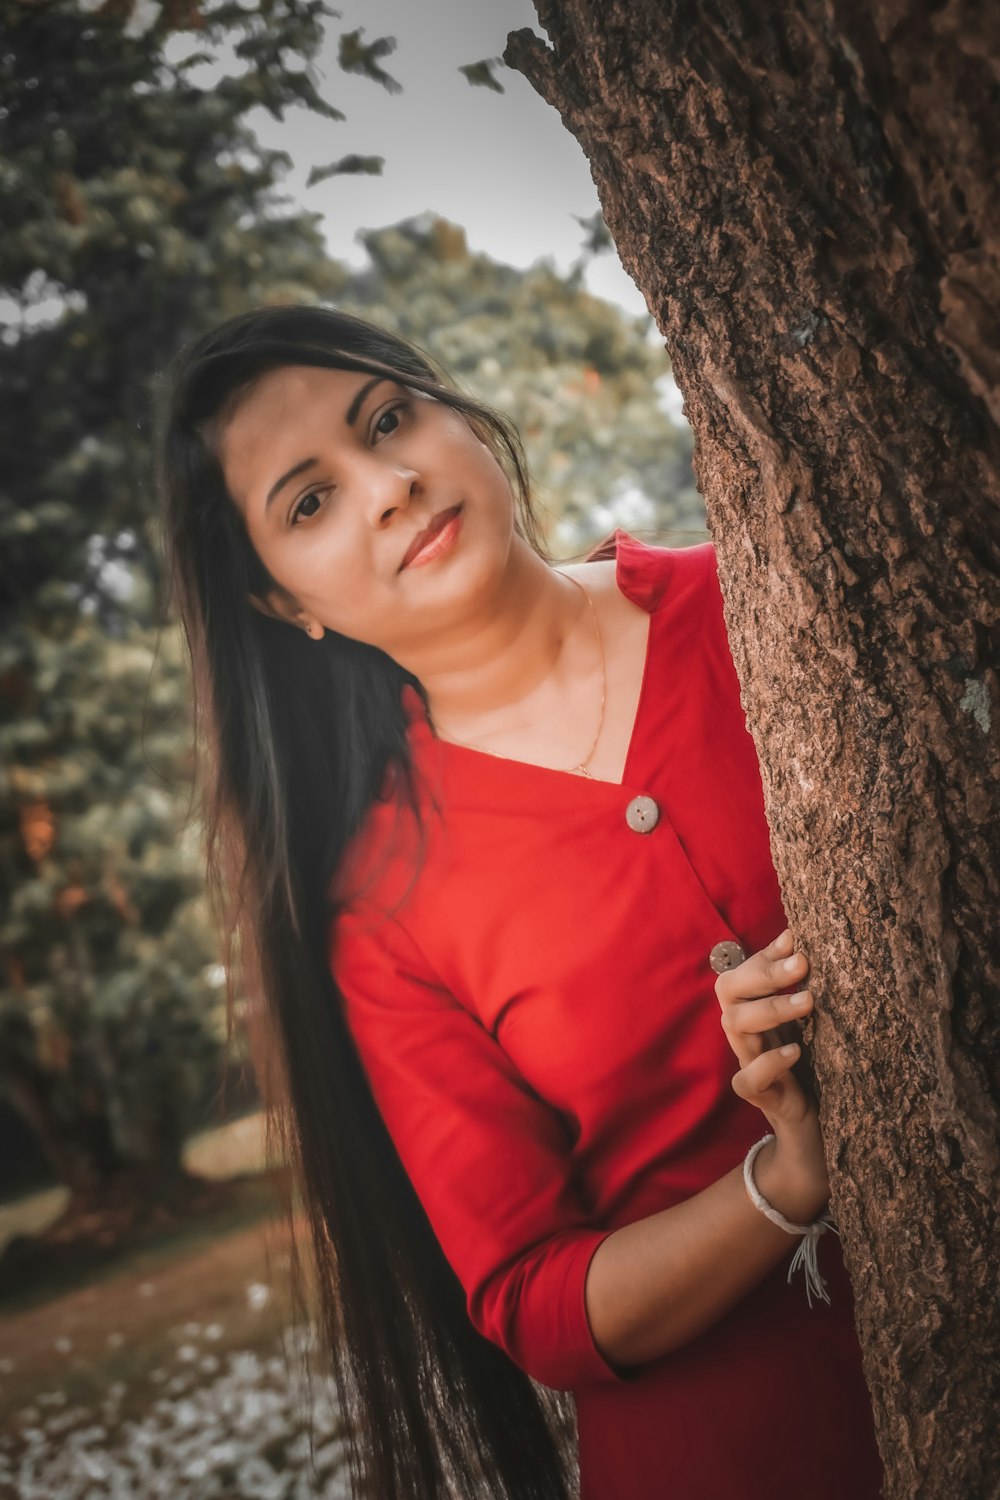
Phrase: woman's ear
(267,608)
(288,613)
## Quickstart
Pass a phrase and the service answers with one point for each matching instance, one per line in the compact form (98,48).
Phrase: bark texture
(806,196)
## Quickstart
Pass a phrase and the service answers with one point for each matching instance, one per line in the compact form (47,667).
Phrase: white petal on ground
(239,1433)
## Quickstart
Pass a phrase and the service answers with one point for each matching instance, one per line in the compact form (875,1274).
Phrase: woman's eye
(389,420)
(299,510)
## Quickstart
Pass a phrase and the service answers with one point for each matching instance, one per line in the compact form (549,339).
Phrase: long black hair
(293,739)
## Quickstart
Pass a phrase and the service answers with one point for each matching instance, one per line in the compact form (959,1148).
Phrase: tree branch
(529,55)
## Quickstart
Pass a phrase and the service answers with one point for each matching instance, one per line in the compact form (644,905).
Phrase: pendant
(582,771)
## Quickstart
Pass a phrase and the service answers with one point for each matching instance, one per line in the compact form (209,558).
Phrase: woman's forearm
(656,1283)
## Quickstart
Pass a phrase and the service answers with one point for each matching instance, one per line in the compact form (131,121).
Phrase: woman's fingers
(768,1083)
(751,1010)
(764,1071)
(754,1016)
(773,968)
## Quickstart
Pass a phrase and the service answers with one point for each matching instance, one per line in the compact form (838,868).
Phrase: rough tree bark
(806,196)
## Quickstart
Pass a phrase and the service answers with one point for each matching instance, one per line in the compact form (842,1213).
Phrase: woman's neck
(510,656)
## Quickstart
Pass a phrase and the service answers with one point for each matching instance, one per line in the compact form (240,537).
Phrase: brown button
(726,955)
(642,815)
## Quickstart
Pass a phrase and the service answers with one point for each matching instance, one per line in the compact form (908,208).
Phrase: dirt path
(131,1323)
(125,1320)
(177,1377)
(174,1371)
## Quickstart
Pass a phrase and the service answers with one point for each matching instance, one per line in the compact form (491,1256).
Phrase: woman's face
(337,473)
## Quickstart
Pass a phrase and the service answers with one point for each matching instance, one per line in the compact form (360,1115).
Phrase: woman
(492,837)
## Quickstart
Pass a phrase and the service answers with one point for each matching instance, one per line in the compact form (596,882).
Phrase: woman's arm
(492,1166)
(654,1284)
(489,1160)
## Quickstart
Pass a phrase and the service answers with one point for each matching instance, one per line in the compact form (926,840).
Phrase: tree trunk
(73,1125)
(806,196)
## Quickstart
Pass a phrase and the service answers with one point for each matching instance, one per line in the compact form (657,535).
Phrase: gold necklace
(581,767)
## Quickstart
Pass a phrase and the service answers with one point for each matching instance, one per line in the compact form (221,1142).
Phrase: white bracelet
(805,1255)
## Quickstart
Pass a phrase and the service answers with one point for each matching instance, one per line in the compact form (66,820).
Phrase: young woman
(492,840)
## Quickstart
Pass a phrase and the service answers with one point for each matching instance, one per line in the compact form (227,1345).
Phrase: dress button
(726,955)
(642,815)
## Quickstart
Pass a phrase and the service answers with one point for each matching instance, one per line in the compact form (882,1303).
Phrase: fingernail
(789,1050)
(800,1001)
(791,963)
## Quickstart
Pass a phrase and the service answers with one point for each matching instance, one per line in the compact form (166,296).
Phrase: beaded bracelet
(805,1255)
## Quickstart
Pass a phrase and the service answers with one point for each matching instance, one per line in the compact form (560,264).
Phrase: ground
(176,1370)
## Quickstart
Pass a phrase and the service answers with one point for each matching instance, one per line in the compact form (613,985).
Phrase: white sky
(501,165)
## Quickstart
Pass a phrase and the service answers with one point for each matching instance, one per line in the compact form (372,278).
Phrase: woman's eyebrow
(279,484)
(350,417)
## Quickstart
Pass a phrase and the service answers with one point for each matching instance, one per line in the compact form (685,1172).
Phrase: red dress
(536,1014)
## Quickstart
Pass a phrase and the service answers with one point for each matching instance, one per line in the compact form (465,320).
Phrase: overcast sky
(501,165)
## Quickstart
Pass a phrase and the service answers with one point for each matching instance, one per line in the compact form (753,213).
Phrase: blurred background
(162,166)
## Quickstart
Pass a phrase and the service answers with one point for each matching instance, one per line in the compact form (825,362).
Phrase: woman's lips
(436,539)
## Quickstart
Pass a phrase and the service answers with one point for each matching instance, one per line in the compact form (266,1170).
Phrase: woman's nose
(389,488)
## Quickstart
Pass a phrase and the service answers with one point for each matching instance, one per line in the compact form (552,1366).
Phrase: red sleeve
(488,1159)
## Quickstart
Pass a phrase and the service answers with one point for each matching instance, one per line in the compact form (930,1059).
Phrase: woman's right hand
(752,1013)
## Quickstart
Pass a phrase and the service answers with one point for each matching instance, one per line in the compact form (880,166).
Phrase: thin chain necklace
(581,768)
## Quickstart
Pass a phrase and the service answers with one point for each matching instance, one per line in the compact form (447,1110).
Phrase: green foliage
(356,56)
(110,1018)
(480,74)
(138,210)
(347,166)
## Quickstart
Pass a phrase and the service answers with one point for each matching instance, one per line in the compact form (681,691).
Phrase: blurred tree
(138,209)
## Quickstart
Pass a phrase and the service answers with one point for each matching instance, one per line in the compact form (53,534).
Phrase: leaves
(598,238)
(355,56)
(38,829)
(480,74)
(351,165)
